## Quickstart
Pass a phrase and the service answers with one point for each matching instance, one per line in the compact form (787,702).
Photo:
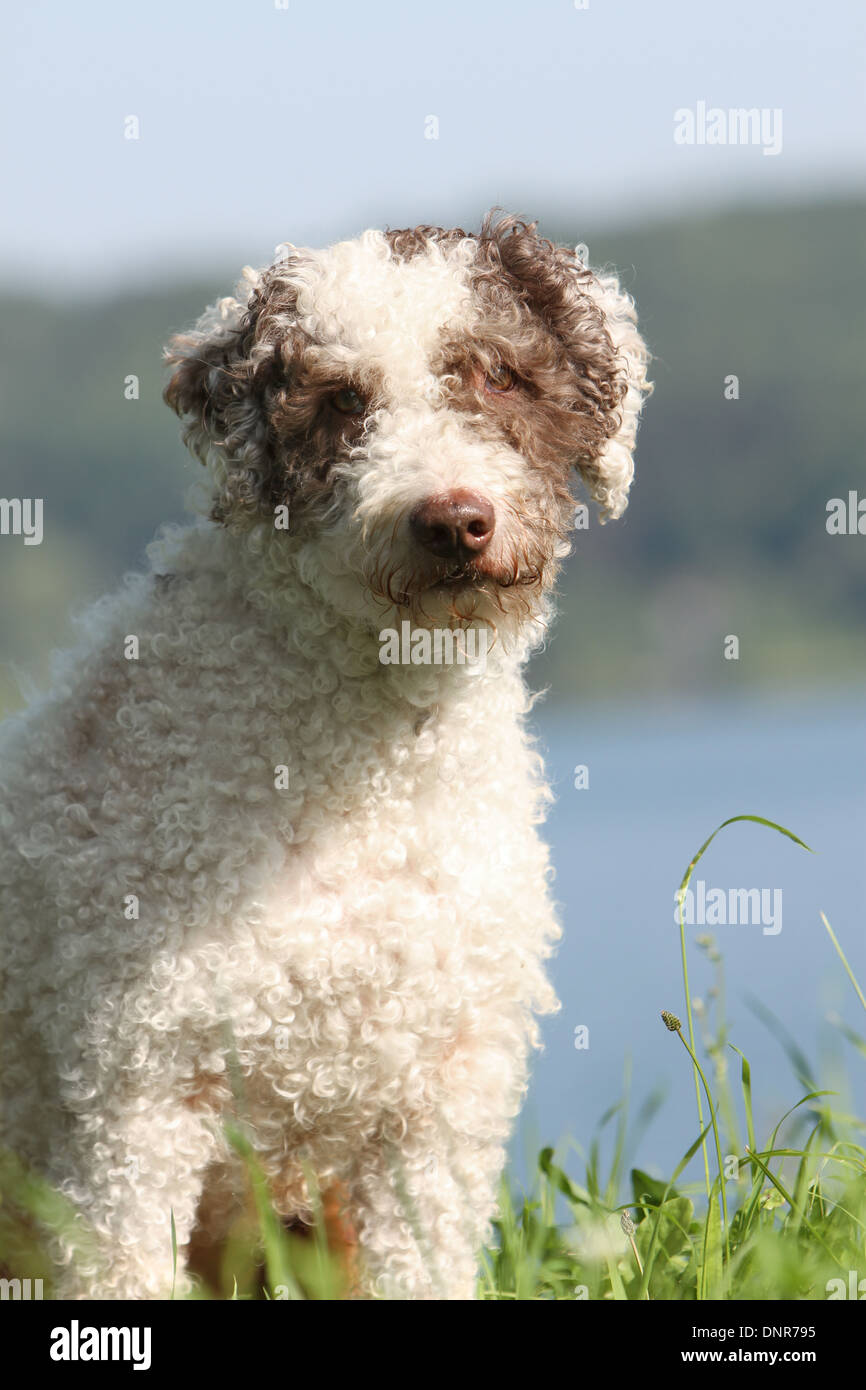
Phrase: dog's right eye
(500,380)
(347,401)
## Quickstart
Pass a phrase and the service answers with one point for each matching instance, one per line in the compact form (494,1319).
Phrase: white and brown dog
(234,832)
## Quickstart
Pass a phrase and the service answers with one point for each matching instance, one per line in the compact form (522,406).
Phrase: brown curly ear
(601,378)
(216,390)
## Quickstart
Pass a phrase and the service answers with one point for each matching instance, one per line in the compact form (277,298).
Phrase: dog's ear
(609,476)
(604,359)
(217,389)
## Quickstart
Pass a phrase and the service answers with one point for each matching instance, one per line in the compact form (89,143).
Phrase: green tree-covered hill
(725,533)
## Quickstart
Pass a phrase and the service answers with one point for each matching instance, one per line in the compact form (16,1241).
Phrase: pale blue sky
(261,124)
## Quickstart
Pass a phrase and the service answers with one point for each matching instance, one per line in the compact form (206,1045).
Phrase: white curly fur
(370,941)
(616,464)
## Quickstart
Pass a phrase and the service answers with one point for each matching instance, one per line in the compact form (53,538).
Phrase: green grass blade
(841,954)
(277,1264)
(173,1255)
(746,1085)
(711,1270)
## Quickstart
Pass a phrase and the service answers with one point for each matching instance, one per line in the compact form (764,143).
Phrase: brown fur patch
(207,1092)
(223,1250)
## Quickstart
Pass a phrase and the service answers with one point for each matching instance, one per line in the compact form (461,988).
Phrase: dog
(269,854)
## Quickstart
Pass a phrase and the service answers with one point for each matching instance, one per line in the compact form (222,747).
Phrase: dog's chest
(418,829)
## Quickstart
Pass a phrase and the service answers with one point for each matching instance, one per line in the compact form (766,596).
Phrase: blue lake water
(660,780)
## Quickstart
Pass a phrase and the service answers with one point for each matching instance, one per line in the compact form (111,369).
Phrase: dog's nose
(456,526)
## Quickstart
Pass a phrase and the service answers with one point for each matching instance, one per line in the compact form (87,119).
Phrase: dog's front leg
(421,1209)
(126,1179)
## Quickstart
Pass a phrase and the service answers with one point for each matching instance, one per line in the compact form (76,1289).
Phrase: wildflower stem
(682,897)
(722,1196)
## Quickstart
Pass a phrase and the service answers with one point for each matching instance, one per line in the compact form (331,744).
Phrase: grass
(783,1218)
(775,1220)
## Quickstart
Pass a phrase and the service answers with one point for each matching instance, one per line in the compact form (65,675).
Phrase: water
(660,780)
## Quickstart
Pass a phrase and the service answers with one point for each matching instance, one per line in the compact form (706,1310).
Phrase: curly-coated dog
(267,849)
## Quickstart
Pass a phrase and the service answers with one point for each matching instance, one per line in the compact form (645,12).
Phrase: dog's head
(420,401)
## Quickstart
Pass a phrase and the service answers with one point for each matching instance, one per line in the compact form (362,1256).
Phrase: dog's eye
(347,401)
(500,379)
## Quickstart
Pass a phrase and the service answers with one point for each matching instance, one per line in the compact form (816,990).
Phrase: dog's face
(420,401)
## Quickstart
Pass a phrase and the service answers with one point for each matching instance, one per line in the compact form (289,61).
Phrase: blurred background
(151,151)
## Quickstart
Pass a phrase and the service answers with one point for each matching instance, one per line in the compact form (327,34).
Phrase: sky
(261,121)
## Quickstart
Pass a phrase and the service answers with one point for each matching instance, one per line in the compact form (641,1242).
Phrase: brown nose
(456,526)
